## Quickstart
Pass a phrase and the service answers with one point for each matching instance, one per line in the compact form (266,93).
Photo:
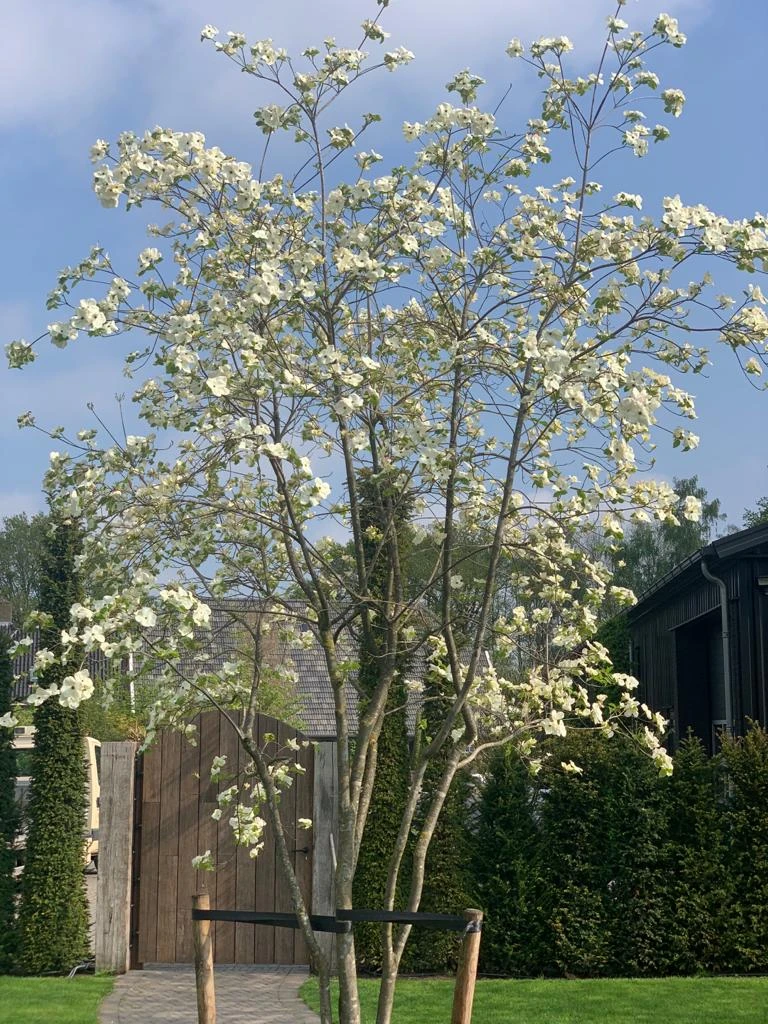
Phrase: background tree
(53,916)
(758,515)
(648,551)
(9,814)
(505,341)
(21,544)
(614,635)
(651,549)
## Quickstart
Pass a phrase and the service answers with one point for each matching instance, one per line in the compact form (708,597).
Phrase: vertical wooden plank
(207,830)
(325,828)
(245,934)
(113,919)
(150,853)
(189,799)
(284,937)
(226,865)
(265,869)
(168,865)
(303,861)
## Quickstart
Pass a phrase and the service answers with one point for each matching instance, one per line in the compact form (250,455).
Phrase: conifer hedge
(446,869)
(53,916)
(9,816)
(391,784)
(618,872)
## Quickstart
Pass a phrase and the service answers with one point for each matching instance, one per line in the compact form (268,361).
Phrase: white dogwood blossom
(479,332)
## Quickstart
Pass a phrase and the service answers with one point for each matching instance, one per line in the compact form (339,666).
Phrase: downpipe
(726,642)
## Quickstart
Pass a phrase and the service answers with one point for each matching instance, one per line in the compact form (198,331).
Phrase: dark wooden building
(699,638)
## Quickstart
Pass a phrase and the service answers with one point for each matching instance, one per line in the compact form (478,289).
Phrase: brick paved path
(244,995)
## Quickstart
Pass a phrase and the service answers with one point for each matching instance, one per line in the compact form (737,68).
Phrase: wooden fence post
(466,975)
(206,996)
(324,830)
(112,929)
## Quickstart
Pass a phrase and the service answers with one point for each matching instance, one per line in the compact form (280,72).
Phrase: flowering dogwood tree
(494,343)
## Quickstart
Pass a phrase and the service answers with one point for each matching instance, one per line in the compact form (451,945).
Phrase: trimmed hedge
(9,816)
(53,917)
(617,872)
(446,869)
(390,788)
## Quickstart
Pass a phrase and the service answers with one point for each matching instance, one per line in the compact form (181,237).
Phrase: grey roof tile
(315,709)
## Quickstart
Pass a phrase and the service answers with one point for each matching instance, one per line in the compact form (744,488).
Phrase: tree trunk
(349,1002)
(387,988)
(324,989)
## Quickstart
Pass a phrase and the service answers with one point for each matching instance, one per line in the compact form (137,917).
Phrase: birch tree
(482,328)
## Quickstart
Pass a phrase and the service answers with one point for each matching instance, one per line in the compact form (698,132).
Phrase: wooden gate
(174,801)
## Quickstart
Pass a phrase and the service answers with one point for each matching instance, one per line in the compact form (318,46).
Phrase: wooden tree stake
(206,996)
(466,975)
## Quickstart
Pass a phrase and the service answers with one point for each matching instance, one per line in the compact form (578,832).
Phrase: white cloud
(61,64)
(59,61)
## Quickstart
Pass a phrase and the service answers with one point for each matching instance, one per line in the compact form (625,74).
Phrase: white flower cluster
(491,346)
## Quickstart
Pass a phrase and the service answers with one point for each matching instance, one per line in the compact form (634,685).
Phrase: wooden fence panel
(178,798)
(245,934)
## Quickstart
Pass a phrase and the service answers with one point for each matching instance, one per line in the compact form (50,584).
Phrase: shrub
(391,783)
(53,917)
(746,763)
(9,816)
(569,864)
(698,859)
(506,856)
(618,872)
(446,869)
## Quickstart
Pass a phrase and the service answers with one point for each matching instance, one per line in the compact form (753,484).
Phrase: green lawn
(52,1000)
(613,1001)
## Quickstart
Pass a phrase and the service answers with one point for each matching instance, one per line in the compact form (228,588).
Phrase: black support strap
(343,920)
(320,922)
(441,922)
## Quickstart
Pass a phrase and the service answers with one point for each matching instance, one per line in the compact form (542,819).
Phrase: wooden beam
(466,975)
(113,888)
(323,835)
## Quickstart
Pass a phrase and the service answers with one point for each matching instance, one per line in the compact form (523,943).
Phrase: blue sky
(70,73)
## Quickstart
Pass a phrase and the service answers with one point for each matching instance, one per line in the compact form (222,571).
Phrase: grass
(53,1000)
(611,1001)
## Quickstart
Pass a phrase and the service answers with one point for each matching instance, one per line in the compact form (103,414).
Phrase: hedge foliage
(392,779)
(446,869)
(9,816)
(53,917)
(616,872)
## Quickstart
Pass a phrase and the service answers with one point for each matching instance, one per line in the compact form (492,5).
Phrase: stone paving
(244,995)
